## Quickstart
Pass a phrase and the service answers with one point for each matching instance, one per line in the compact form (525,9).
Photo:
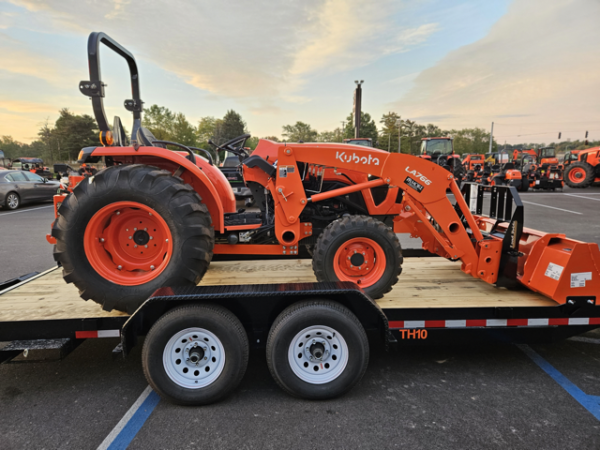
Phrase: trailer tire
(341,346)
(343,238)
(219,367)
(117,265)
(579,175)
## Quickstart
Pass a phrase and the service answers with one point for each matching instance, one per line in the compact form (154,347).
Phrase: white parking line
(581,196)
(133,420)
(552,207)
(25,210)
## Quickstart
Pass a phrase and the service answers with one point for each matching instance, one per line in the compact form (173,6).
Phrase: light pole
(399,123)
(357,107)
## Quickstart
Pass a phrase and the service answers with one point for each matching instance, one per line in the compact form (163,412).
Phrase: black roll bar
(94,88)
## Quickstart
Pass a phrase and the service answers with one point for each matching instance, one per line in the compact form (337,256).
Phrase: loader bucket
(563,268)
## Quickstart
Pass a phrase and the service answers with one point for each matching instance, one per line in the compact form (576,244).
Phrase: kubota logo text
(418,175)
(356,159)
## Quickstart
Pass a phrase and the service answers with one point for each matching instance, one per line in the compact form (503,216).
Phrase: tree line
(64,139)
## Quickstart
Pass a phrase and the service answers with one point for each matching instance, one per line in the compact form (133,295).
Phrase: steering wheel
(235,146)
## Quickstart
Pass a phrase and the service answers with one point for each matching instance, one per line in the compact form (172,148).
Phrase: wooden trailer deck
(425,282)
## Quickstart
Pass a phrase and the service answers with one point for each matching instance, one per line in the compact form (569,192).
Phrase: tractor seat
(257,161)
(146,138)
(508,166)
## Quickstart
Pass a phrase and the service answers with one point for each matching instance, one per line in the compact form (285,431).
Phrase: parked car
(18,187)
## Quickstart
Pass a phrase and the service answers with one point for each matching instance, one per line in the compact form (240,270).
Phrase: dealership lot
(433,397)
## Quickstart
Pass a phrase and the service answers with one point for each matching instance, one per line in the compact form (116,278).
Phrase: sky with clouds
(531,66)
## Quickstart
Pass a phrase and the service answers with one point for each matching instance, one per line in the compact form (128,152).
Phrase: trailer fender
(256,306)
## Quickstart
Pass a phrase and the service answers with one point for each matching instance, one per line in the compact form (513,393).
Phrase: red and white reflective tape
(97,334)
(394,324)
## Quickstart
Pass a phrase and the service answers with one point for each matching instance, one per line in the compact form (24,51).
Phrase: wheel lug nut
(101,239)
(146,246)
(129,237)
(135,229)
(205,358)
(150,213)
(151,267)
(118,212)
(119,267)
(135,246)
(166,240)
(145,229)
(151,238)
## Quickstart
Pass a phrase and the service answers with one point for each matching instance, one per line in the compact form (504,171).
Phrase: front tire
(317,349)
(359,249)
(130,231)
(196,355)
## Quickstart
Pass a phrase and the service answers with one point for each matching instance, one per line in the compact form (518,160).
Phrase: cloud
(541,70)
(18,58)
(20,106)
(244,50)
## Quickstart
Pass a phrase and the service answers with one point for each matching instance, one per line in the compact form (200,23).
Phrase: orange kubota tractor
(155,217)
(440,151)
(582,167)
(473,164)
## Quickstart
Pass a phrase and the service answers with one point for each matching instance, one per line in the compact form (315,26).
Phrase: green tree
(271,138)
(389,132)
(12,149)
(183,132)
(368,128)
(231,127)
(160,121)
(300,131)
(331,136)
(472,140)
(70,134)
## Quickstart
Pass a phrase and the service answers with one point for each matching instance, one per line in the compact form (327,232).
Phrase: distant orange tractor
(582,167)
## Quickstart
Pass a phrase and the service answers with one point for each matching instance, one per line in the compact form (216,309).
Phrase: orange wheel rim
(128,243)
(359,260)
(577,175)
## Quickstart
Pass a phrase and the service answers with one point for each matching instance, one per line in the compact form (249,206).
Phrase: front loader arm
(424,185)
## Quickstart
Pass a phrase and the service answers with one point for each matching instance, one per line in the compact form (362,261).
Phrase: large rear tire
(359,249)
(579,175)
(129,231)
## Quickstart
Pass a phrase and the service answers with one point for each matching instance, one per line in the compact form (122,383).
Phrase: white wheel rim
(194,358)
(318,354)
(13,201)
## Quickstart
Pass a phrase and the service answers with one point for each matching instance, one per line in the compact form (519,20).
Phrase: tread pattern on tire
(108,186)
(290,312)
(336,227)
(185,312)
(589,175)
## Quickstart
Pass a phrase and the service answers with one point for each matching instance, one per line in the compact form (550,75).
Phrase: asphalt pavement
(450,397)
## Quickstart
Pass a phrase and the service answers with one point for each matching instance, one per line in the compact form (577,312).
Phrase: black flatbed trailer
(433,303)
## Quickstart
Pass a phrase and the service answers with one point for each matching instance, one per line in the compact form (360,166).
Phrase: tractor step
(243,218)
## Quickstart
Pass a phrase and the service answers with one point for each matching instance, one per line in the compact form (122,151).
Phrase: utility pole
(491,137)
(399,123)
(357,107)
